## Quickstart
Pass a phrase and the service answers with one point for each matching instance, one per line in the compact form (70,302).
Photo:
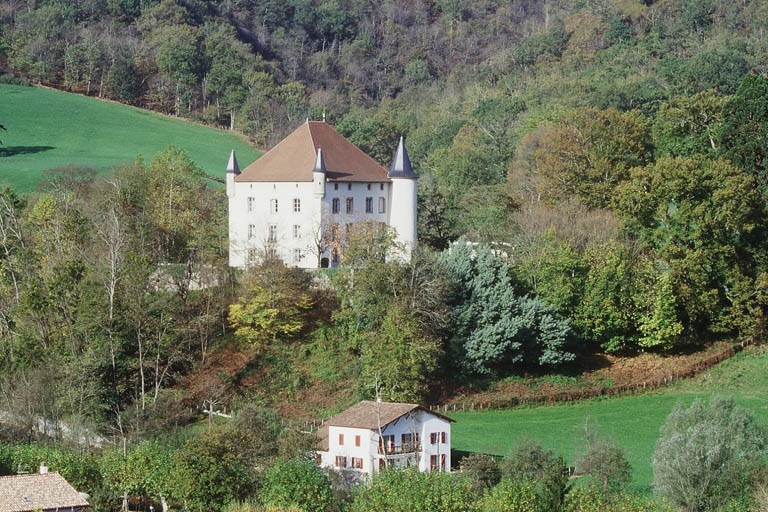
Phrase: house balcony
(400,449)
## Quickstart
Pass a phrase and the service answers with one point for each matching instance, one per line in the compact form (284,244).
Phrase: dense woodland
(601,164)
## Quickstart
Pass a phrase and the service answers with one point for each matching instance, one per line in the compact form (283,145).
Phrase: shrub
(514,495)
(405,490)
(528,461)
(593,499)
(605,461)
(483,469)
(707,453)
(296,483)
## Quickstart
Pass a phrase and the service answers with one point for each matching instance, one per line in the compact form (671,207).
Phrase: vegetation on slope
(49,129)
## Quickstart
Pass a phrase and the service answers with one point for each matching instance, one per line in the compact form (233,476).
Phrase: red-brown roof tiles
(293,158)
(34,491)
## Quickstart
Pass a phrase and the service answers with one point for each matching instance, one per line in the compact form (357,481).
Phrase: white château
(297,200)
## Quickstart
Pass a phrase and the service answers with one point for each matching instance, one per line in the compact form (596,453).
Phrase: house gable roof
(30,492)
(365,415)
(294,158)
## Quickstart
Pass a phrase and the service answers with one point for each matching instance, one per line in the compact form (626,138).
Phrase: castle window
(296,231)
(382,205)
(251,203)
(368,205)
(251,231)
(349,186)
(297,255)
(335,205)
(273,205)
(297,205)
(350,205)
(272,233)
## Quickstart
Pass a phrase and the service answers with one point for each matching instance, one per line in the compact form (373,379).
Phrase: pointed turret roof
(294,158)
(401,164)
(232,166)
(319,162)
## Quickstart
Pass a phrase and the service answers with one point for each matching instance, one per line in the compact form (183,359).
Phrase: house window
(369,186)
(296,231)
(297,255)
(437,462)
(270,253)
(388,441)
(368,205)
(341,439)
(442,437)
(349,186)
(335,205)
(382,205)
(357,440)
(251,231)
(273,205)
(357,462)
(252,255)
(407,439)
(335,186)
(350,205)
(297,205)
(432,462)
(347,228)
(318,459)
(272,233)
(251,203)
(433,438)
(341,461)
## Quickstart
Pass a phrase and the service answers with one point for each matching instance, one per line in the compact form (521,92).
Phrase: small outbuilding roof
(294,158)
(31,492)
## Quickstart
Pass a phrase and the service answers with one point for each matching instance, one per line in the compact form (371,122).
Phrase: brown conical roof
(293,158)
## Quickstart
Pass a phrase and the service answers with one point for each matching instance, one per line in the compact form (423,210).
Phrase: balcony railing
(399,449)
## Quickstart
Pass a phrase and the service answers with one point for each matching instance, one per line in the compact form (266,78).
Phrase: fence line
(571,396)
(310,426)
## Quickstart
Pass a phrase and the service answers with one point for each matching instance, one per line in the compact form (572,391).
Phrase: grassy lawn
(633,420)
(47,128)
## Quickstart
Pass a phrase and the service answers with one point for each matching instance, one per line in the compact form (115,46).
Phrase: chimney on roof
(43,468)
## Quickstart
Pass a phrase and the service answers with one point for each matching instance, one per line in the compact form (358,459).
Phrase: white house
(370,436)
(297,199)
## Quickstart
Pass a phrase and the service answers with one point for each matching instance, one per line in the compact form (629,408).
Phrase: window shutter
(442,437)
(341,439)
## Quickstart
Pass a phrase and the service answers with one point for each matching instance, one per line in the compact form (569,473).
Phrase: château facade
(297,200)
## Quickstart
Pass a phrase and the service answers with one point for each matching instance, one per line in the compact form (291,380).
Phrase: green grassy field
(633,420)
(47,129)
